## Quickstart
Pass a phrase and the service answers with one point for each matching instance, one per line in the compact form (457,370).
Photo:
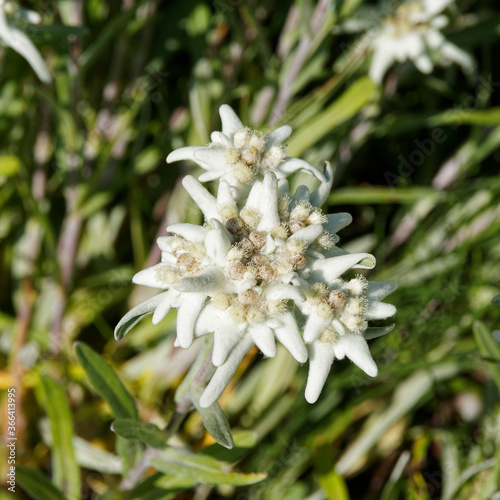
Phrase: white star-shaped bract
(239,155)
(414,33)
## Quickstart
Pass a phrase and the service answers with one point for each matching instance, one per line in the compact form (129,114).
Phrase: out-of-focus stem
(181,410)
(286,89)
(28,292)
(72,222)
(291,23)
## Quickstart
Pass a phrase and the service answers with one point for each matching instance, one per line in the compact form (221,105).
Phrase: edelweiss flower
(240,275)
(238,154)
(232,276)
(337,317)
(414,32)
(263,267)
(17,40)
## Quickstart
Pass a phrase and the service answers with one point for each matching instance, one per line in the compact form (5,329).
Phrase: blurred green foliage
(84,192)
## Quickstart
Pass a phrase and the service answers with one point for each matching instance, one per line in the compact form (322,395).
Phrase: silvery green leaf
(148,433)
(195,369)
(489,348)
(130,451)
(106,382)
(66,472)
(200,469)
(92,457)
(214,419)
(36,484)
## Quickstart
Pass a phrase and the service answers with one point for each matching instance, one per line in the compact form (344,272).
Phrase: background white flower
(20,42)
(239,154)
(414,33)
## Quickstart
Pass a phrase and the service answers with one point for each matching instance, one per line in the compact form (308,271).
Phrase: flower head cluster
(414,33)
(13,37)
(240,155)
(263,268)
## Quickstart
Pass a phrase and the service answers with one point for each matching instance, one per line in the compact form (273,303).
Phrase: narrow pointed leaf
(214,419)
(36,484)
(201,469)
(148,433)
(345,107)
(130,451)
(66,470)
(187,381)
(489,348)
(106,382)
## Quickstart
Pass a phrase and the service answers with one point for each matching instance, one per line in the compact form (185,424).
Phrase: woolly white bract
(19,41)
(264,268)
(414,33)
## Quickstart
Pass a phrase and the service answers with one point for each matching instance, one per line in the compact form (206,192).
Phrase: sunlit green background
(85,191)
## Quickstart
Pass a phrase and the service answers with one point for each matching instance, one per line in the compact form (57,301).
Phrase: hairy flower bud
(235,225)
(248,298)
(336,299)
(258,238)
(186,263)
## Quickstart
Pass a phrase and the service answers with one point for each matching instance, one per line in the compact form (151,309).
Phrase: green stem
(197,376)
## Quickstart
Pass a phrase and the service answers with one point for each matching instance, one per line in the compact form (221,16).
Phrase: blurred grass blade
(113,29)
(345,107)
(334,486)
(106,382)
(37,485)
(9,165)
(449,465)
(483,32)
(148,433)
(199,102)
(187,381)
(381,194)
(130,451)
(66,470)
(389,491)
(395,124)
(158,487)
(458,116)
(214,419)
(407,396)
(67,127)
(95,458)
(201,469)
(489,348)
(281,370)
(58,30)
